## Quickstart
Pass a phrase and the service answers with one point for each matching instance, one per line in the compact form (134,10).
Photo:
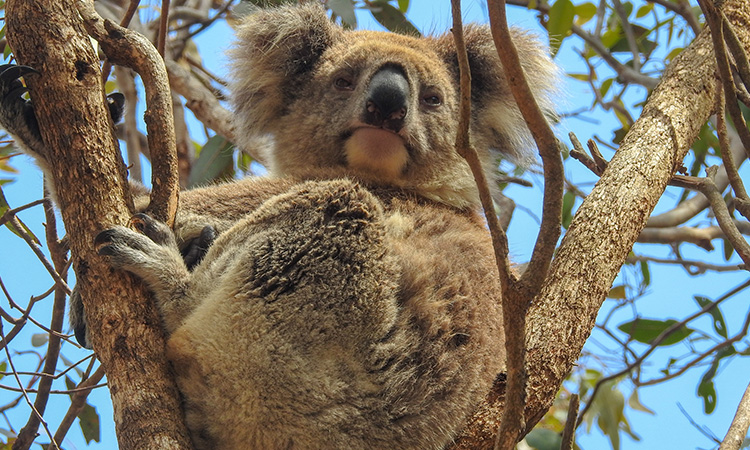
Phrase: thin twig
(742,202)
(711,351)
(77,403)
(12,212)
(700,266)
(568,435)
(29,431)
(683,9)
(738,51)
(39,254)
(655,344)
(517,297)
(723,217)
(161,41)
(714,19)
(627,28)
(25,394)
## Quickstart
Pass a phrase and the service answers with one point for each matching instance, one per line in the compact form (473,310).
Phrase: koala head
(377,106)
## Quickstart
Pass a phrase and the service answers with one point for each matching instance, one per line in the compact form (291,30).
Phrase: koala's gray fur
(350,300)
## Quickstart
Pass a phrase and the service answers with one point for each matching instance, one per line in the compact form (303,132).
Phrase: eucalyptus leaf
(393,19)
(214,161)
(646,330)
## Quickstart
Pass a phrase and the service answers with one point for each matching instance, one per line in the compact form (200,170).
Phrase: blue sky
(668,429)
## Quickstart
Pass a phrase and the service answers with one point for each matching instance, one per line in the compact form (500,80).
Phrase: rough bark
(610,219)
(92,190)
(607,225)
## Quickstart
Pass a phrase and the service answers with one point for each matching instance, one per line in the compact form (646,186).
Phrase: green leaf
(635,403)
(544,439)
(345,10)
(569,200)
(646,273)
(673,54)
(644,10)
(403,6)
(707,390)
(646,330)
(720,326)
(728,249)
(215,161)
(5,207)
(610,405)
(393,19)
(611,37)
(39,339)
(606,84)
(89,422)
(617,292)
(561,16)
(579,76)
(584,12)
(88,419)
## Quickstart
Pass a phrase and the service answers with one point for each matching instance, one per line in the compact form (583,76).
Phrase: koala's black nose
(387,99)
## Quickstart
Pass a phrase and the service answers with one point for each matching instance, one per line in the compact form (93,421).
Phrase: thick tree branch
(92,194)
(546,142)
(203,103)
(611,218)
(738,429)
(131,49)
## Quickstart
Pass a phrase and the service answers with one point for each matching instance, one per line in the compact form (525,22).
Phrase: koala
(350,299)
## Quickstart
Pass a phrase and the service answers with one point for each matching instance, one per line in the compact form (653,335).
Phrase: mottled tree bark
(607,225)
(92,192)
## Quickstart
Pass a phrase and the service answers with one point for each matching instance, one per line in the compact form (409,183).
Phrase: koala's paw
(17,113)
(151,253)
(196,249)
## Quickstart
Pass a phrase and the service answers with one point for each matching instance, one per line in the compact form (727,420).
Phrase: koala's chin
(377,150)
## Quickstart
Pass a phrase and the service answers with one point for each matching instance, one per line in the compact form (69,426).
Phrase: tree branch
(131,49)
(738,429)
(84,159)
(611,218)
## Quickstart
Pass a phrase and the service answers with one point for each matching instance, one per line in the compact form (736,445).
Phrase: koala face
(375,106)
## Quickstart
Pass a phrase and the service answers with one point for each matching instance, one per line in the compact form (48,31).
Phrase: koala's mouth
(376,150)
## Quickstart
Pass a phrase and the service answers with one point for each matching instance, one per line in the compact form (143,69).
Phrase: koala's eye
(432,100)
(343,84)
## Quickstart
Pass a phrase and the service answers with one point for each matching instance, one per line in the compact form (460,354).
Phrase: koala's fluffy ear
(497,123)
(276,51)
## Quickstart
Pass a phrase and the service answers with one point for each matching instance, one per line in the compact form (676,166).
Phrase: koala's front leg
(17,113)
(152,255)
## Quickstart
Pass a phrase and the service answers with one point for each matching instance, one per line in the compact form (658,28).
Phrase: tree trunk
(610,219)
(92,193)
(607,225)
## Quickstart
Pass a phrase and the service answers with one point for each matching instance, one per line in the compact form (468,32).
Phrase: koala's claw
(11,88)
(157,231)
(17,113)
(197,248)
(150,253)
(10,73)
(116,106)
